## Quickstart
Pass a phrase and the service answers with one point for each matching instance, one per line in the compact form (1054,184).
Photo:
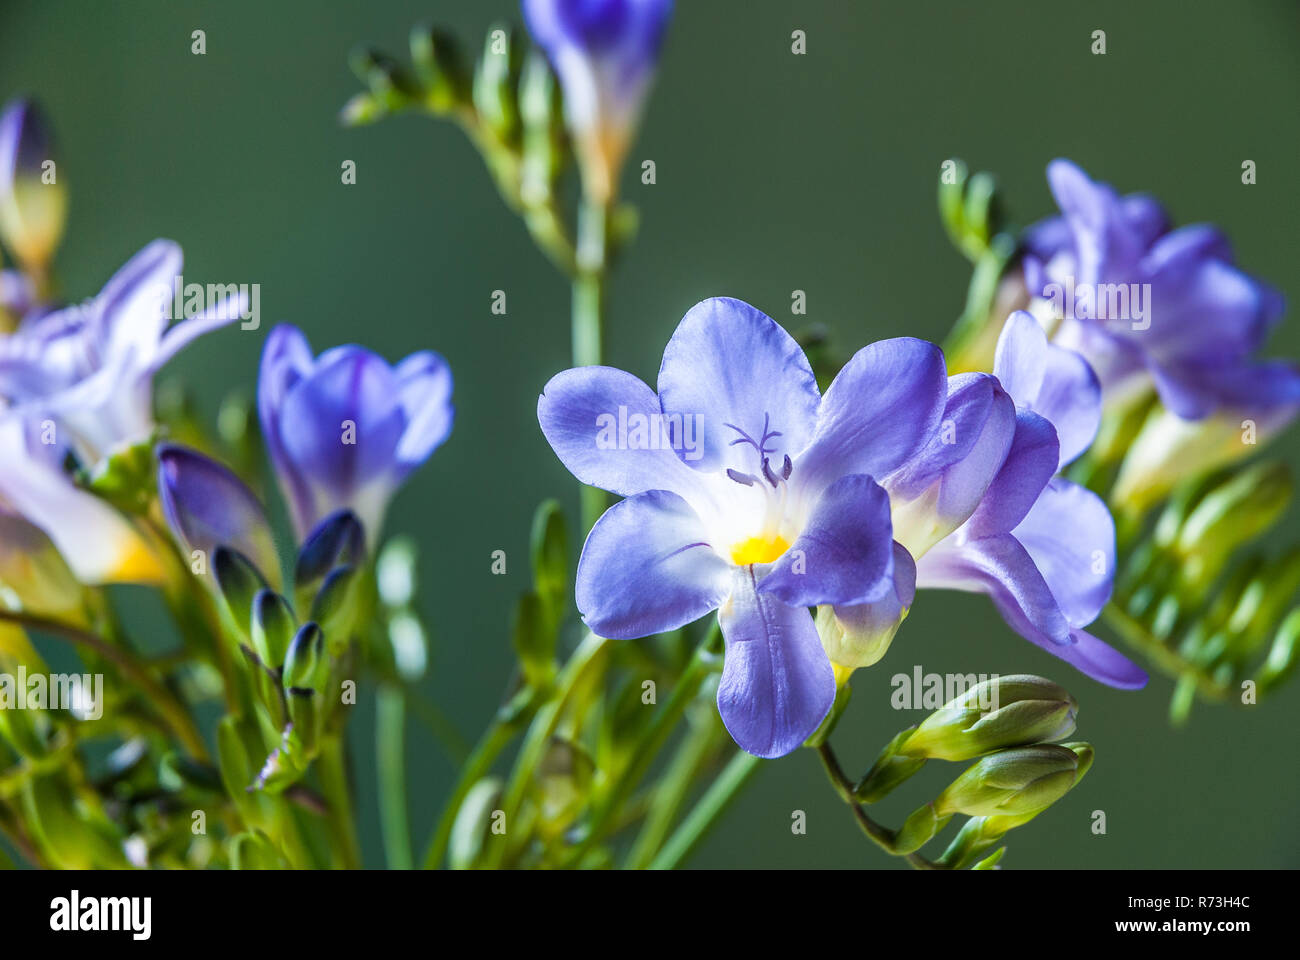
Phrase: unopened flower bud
(993,715)
(273,628)
(33,197)
(1013,782)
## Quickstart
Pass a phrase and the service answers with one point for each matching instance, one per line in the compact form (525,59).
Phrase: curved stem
(668,796)
(163,700)
(882,836)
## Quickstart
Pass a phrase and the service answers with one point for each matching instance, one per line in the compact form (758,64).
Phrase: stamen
(786,468)
(739,477)
(768,474)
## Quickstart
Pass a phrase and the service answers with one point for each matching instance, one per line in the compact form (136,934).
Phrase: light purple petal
(286,360)
(601,424)
(1052,381)
(646,568)
(881,408)
(1002,568)
(746,381)
(131,306)
(1029,465)
(964,454)
(777,684)
(845,552)
(1070,535)
(424,385)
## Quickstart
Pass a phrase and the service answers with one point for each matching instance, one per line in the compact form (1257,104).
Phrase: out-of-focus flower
(604,53)
(207,506)
(1147,305)
(1041,547)
(33,198)
(91,366)
(97,542)
(747,492)
(33,575)
(345,429)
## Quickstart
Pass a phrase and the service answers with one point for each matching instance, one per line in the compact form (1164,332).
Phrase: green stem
(334,785)
(588,317)
(668,796)
(390,764)
(1169,661)
(706,812)
(882,836)
(494,740)
(649,743)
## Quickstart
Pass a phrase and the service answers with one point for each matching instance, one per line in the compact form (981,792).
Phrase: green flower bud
(993,715)
(474,820)
(440,68)
(305,665)
(391,87)
(541,107)
(339,605)
(1013,782)
(1283,655)
(273,628)
(238,582)
(33,193)
(337,541)
(1232,514)
(495,84)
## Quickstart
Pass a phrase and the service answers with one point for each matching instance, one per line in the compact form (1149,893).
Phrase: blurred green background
(775,172)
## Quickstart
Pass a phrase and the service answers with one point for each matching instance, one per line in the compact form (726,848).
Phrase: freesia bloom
(1041,547)
(91,365)
(208,506)
(749,493)
(1148,305)
(604,53)
(79,381)
(33,199)
(345,429)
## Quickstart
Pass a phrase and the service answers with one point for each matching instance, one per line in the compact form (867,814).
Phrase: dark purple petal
(1029,465)
(601,424)
(207,506)
(1097,659)
(1070,535)
(777,684)
(646,568)
(744,380)
(845,552)
(882,407)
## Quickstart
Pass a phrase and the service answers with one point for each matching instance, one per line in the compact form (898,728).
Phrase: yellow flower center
(758,550)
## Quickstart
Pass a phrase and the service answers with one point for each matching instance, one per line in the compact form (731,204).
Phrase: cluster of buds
(291,659)
(1011,726)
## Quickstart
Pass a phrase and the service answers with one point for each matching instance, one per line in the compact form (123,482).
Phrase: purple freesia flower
(345,429)
(207,506)
(604,53)
(91,365)
(1143,303)
(1041,547)
(747,492)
